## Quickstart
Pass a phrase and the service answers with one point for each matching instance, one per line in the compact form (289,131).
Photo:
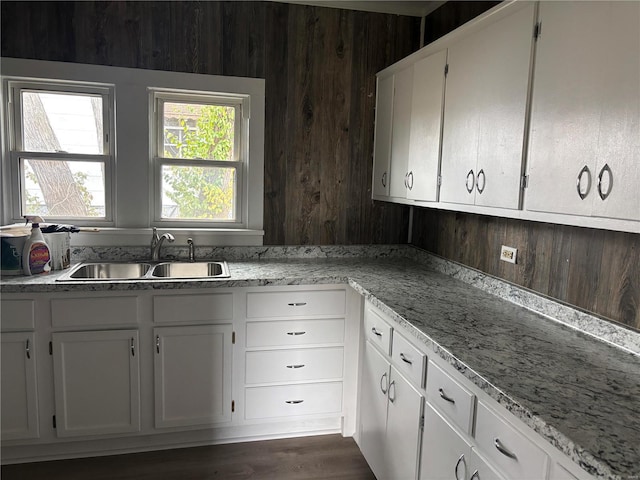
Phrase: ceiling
(413,8)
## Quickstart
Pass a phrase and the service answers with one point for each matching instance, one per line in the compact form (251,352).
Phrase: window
(199,159)
(60,150)
(130,149)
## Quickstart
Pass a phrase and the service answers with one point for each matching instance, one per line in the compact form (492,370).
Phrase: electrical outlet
(508,254)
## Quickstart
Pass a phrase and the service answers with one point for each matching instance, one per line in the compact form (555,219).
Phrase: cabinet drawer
(296,303)
(193,308)
(408,359)
(377,330)
(18,315)
(98,311)
(294,365)
(508,449)
(294,332)
(293,400)
(451,398)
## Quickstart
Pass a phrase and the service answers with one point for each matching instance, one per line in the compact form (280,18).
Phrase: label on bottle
(39,259)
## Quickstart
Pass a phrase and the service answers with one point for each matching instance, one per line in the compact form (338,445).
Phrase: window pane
(206,193)
(70,122)
(63,189)
(194,130)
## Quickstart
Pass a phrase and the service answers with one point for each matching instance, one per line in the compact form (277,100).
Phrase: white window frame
(132,171)
(13,89)
(157,99)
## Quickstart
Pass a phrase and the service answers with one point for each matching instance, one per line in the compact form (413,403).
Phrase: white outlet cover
(508,254)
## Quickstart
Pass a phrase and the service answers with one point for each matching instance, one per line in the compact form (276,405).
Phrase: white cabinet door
(382,140)
(445,453)
(426,127)
(402,441)
(97,382)
(18,383)
(373,409)
(400,131)
(192,375)
(484,119)
(585,114)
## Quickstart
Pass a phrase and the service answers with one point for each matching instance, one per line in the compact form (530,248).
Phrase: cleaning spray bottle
(36,257)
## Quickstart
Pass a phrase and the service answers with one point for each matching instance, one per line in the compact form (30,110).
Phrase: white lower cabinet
(192,371)
(390,414)
(97,382)
(18,385)
(482,470)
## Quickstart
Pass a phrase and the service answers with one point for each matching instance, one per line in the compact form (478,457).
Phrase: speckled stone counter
(580,393)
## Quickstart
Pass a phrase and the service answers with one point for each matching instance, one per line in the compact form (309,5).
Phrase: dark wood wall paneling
(319,65)
(596,270)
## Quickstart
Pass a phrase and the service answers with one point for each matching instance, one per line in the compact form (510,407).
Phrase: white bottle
(36,256)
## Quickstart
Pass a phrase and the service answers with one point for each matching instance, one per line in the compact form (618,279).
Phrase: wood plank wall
(319,65)
(596,270)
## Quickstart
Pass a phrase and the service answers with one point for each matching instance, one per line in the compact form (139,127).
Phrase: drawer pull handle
(297,304)
(376,332)
(444,396)
(296,366)
(405,359)
(133,348)
(392,384)
(460,460)
(475,476)
(157,343)
(386,387)
(293,402)
(296,333)
(28,349)
(503,450)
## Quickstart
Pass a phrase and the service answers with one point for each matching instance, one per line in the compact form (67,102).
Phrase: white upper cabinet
(485,111)
(382,140)
(584,150)
(426,127)
(400,131)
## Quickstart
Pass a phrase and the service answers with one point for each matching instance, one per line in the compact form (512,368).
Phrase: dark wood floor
(321,457)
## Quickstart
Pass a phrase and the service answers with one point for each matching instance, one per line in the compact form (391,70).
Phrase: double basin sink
(146,271)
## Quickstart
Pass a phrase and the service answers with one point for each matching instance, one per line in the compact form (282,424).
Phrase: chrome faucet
(192,253)
(156,243)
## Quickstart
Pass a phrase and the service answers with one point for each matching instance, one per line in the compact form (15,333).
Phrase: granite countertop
(580,393)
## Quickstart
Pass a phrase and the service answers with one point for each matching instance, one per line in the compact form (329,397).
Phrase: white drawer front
(18,315)
(408,359)
(293,400)
(508,449)
(377,330)
(451,398)
(85,312)
(296,303)
(294,365)
(193,308)
(288,333)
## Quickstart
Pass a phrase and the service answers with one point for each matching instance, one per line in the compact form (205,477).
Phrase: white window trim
(133,207)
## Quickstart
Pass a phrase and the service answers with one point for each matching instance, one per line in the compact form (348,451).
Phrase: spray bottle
(36,256)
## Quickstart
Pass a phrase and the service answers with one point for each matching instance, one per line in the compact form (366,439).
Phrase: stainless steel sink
(109,271)
(191,270)
(91,271)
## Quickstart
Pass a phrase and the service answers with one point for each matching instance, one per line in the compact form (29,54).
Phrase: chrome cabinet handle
(296,333)
(444,396)
(297,304)
(484,181)
(501,448)
(300,365)
(376,332)
(392,398)
(383,377)
(475,476)
(473,181)
(410,180)
(28,349)
(606,168)
(293,402)
(584,170)
(133,349)
(406,180)
(384,179)
(405,359)
(157,343)
(460,460)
